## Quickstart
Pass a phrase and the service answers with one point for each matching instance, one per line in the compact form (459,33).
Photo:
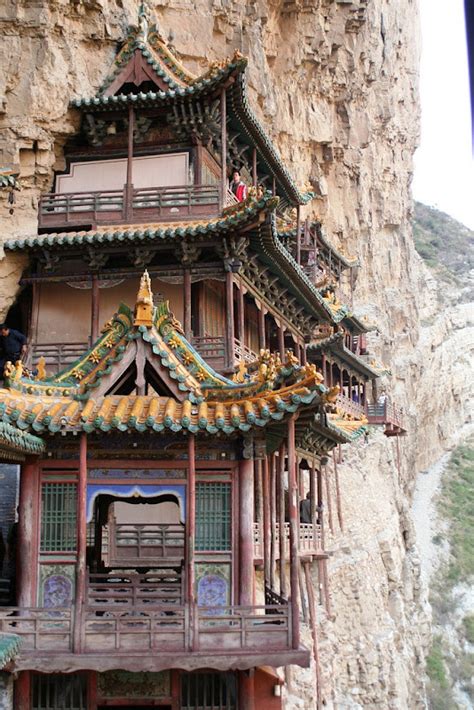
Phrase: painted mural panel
(213,584)
(56,587)
(124,684)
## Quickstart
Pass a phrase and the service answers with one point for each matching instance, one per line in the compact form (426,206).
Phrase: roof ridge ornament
(144,304)
(143,21)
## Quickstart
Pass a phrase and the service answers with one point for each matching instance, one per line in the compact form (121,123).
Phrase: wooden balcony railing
(56,355)
(355,409)
(309,541)
(388,415)
(131,590)
(62,210)
(242,352)
(138,545)
(151,628)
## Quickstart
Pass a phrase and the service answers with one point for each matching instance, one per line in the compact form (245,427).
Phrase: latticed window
(59,692)
(203,691)
(58,517)
(213,516)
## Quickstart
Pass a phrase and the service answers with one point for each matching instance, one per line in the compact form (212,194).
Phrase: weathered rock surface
(336,84)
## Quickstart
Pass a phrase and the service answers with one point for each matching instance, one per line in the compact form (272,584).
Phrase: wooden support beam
(266,521)
(314,629)
(293,515)
(129,183)
(298,234)
(281,523)
(313,504)
(328,499)
(187,303)
(223,148)
(95,296)
(81,544)
(246,507)
(28,533)
(229,292)
(254,167)
(338,493)
(281,341)
(191,519)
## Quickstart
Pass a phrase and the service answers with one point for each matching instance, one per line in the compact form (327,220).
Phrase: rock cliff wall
(336,84)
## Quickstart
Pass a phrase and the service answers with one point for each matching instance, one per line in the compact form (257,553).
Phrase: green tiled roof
(15,443)
(9,648)
(7,179)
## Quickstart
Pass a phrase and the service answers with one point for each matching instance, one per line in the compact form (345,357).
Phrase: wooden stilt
(293,515)
(281,523)
(304,606)
(246,506)
(129,183)
(266,522)
(281,342)
(314,629)
(254,167)
(187,302)
(81,571)
(338,493)
(328,499)
(28,525)
(241,314)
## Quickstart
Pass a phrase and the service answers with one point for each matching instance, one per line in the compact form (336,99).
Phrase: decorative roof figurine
(144,304)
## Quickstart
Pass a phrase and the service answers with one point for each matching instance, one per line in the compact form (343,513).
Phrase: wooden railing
(39,629)
(146,627)
(243,352)
(355,409)
(130,590)
(386,414)
(309,540)
(135,545)
(56,355)
(62,210)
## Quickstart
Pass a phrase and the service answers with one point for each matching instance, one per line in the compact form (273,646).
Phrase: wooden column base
(247,690)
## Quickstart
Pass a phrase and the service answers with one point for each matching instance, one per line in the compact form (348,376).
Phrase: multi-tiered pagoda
(189,370)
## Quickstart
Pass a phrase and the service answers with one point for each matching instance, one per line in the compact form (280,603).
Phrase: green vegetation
(444,243)
(446,664)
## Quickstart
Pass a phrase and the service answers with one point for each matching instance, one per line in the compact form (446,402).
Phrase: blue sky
(444,165)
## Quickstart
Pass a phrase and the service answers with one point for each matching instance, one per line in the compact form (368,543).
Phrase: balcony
(90,209)
(145,545)
(354,409)
(309,541)
(387,415)
(145,636)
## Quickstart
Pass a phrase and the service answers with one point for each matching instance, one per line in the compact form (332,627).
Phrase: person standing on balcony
(12,346)
(238,187)
(305,509)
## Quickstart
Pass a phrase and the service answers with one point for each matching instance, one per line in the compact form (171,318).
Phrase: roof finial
(144,305)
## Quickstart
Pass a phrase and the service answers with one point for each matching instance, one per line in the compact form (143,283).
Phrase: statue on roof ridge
(143,21)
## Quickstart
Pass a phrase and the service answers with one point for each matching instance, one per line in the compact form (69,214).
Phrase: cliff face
(336,84)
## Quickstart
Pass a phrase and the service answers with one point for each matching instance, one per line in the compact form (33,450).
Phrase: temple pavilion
(190,374)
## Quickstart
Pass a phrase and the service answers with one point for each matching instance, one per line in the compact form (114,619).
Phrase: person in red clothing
(238,187)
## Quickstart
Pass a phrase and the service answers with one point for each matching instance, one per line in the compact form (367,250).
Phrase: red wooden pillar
(241,313)
(281,523)
(23,691)
(266,521)
(293,510)
(191,519)
(247,690)
(187,303)
(229,293)
(94,309)
(129,184)
(281,341)
(261,328)
(273,505)
(246,507)
(223,148)
(81,543)
(28,527)
(254,167)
